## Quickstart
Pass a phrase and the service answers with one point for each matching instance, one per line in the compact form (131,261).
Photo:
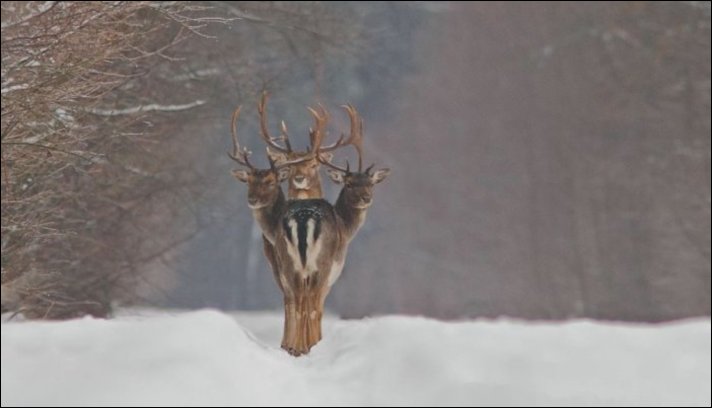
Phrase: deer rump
(309,250)
(309,245)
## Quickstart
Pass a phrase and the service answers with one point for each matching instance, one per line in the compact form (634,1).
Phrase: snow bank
(210,358)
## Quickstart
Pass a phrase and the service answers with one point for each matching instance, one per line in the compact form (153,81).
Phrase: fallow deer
(305,241)
(264,195)
(311,246)
(304,178)
(357,192)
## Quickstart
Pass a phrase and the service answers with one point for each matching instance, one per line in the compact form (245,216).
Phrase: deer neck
(353,217)
(268,216)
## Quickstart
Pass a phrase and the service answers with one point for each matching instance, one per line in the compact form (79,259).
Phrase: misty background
(549,160)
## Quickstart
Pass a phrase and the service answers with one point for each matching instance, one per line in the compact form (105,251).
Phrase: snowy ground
(210,358)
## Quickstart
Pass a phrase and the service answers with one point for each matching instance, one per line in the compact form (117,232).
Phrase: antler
(241,154)
(335,167)
(316,134)
(238,154)
(288,162)
(355,139)
(265,134)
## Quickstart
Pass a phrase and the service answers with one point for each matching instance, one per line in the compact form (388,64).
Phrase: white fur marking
(335,271)
(303,185)
(292,248)
(293,232)
(313,249)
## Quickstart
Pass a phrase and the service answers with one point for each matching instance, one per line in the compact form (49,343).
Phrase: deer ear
(380,175)
(241,175)
(335,176)
(276,157)
(283,174)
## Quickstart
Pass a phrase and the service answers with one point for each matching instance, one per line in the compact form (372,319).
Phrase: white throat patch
(303,185)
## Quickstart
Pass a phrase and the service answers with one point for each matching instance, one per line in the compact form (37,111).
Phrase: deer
(266,198)
(304,178)
(264,194)
(356,196)
(305,241)
(311,246)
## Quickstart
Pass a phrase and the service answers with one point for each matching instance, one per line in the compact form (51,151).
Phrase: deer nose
(366,198)
(251,200)
(298,178)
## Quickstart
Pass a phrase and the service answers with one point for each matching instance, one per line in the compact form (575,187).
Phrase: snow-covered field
(211,358)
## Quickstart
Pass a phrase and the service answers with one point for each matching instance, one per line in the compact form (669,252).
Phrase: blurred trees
(82,155)
(100,175)
(549,160)
(556,164)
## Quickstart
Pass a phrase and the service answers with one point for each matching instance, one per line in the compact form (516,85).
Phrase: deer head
(263,185)
(358,185)
(357,192)
(304,178)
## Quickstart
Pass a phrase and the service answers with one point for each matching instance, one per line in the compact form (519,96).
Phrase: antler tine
(333,166)
(291,162)
(355,137)
(265,133)
(358,138)
(316,135)
(285,135)
(238,154)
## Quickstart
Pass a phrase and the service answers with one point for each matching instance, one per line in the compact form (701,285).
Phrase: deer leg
(290,324)
(303,317)
(312,322)
(313,312)
(303,337)
(302,342)
(321,299)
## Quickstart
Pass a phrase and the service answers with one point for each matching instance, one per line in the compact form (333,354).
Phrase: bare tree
(106,107)
(78,159)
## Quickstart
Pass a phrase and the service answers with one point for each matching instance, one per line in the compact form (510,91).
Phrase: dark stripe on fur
(301,211)
(302,235)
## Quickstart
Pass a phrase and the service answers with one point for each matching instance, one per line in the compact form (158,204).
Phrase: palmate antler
(241,154)
(316,134)
(355,139)
(261,108)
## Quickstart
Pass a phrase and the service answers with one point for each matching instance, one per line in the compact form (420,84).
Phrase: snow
(211,358)
(146,108)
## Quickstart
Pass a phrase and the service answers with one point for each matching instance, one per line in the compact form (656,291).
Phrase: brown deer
(311,246)
(305,241)
(264,194)
(304,179)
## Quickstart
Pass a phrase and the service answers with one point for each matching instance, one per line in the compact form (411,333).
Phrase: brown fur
(264,191)
(306,172)
(305,282)
(305,295)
